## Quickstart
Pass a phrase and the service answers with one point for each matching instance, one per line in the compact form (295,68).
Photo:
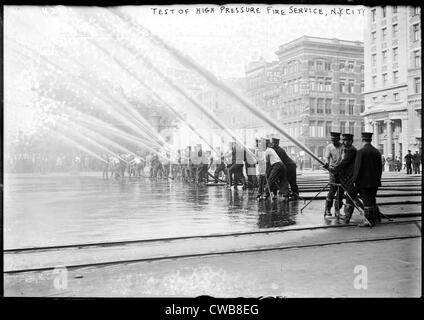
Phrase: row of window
(323,128)
(324,106)
(384,55)
(395,32)
(414,11)
(384,78)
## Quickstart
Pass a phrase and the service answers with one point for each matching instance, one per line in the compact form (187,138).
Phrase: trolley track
(105,254)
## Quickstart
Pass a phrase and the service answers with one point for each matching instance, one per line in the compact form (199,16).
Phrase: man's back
(284,156)
(368,167)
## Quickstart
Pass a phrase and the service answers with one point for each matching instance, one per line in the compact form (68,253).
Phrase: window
(416,31)
(417,85)
(373,37)
(312,132)
(352,127)
(320,84)
(384,98)
(395,9)
(320,128)
(342,64)
(320,105)
(362,106)
(384,33)
(384,12)
(384,57)
(312,83)
(342,85)
(328,106)
(327,84)
(327,66)
(373,15)
(396,96)
(362,86)
(351,106)
(351,85)
(296,85)
(374,81)
(384,79)
(416,10)
(320,65)
(395,54)
(328,126)
(417,59)
(395,30)
(342,106)
(395,77)
(312,105)
(310,63)
(374,60)
(343,126)
(351,66)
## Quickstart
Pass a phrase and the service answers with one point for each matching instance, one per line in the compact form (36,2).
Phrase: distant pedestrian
(408,162)
(416,161)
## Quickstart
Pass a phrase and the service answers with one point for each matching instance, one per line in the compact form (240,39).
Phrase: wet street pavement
(61,209)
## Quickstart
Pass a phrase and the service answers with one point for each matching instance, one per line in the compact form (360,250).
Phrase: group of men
(353,173)
(413,160)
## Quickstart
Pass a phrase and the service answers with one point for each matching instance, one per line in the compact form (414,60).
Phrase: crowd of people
(411,163)
(354,175)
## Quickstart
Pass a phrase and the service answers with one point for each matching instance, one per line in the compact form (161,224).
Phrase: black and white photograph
(233,150)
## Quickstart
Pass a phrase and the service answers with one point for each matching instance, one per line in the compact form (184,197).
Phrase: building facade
(392,58)
(316,87)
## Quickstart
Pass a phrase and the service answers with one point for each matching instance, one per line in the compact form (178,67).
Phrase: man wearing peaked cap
(290,169)
(367,178)
(332,158)
(345,170)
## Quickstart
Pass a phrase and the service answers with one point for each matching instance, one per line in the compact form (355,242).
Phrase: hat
(335,135)
(347,136)
(275,140)
(366,136)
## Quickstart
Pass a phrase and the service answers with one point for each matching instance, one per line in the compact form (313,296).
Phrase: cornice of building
(401,85)
(304,40)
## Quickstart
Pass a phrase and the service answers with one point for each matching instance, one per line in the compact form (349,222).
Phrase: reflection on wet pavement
(68,209)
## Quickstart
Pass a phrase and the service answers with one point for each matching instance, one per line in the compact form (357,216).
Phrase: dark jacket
(284,156)
(408,158)
(347,165)
(417,158)
(368,167)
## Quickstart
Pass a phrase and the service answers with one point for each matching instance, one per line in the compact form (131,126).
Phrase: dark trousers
(416,168)
(291,177)
(335,191)
(237,170)
(368,196)
(408,168)
(221,168)
(276,177)
(262,183)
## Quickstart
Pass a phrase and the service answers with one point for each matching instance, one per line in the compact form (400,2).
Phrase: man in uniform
(290,166)
(236,168)
(332,157)
(345,171)
(417,162)
(408,162)
(276,171)
(367,178)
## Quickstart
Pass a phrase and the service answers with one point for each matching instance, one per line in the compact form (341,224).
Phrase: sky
(221,40)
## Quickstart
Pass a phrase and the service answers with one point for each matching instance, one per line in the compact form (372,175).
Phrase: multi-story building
(317,89)
(393,78)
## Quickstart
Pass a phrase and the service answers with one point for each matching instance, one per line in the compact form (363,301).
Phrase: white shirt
(272,156)
(261,167)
